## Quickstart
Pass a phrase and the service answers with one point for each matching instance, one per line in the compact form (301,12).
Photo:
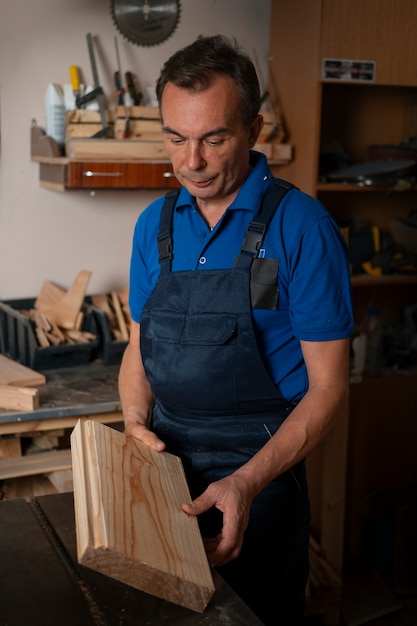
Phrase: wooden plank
(119,149)
(129,521)
(39,463)
(119,314)
(10,446)
(19,398)
(49,294)
(14,373)
(61,480)
(65,311)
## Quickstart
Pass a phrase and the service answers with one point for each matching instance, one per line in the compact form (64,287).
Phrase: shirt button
(202,260)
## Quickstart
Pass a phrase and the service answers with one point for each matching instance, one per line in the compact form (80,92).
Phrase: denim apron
(216,404)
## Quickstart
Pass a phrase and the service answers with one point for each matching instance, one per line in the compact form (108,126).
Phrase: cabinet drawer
(120,175)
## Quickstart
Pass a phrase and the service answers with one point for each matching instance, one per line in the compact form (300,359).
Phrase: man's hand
(232,497)
(146,436)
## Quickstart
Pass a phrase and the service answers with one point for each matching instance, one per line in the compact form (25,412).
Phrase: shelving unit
(355,115)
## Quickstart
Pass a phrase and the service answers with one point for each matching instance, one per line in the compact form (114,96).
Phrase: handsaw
(96,93)
(120,91)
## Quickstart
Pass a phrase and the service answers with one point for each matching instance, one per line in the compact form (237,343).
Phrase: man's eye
(214,142)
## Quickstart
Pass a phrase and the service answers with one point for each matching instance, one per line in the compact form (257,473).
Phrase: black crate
(109,351)
(18,339)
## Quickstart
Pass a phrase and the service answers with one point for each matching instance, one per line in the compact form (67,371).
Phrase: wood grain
(18,398)
(65,311)
(129,521)
(14,373)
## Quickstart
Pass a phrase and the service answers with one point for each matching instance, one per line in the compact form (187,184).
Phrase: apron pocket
(204,329)
(179,350)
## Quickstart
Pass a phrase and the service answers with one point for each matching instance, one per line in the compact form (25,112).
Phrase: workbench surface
(71,391)
(42,584)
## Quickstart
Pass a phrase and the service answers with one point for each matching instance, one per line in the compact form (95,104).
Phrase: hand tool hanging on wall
(75,82)
(118,77)
(120,92)
(136,95)
(277,131)
(96,94)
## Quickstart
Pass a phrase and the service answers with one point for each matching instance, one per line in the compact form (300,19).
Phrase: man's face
(206,140)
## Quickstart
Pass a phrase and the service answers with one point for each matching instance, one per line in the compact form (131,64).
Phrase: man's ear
(255,129)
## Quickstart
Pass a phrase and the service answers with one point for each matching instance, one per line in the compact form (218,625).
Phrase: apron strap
(256,229)
(165,230)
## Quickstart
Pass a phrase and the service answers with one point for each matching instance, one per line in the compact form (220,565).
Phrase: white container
(55,113)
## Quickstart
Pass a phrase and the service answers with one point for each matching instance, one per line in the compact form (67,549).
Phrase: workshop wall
(52,235)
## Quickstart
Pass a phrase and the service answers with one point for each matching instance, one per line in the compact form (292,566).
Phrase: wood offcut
(129,521)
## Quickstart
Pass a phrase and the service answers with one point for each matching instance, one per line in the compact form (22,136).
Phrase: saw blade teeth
(148,27)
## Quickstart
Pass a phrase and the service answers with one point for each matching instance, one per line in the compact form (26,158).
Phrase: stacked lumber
(58,315)
(16,385)
(115,307)
(129,521)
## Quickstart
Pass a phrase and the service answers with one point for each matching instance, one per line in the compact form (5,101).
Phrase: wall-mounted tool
(75,82)
(277,131)
(146,23)
(118,77)
(96,94)
(120,92)
(135,95)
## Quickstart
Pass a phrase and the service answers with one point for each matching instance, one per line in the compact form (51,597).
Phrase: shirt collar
(252,190)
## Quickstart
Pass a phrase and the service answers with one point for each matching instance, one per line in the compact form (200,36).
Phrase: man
(238,353)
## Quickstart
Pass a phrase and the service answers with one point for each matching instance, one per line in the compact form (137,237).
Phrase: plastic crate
(109,350)
(18,339)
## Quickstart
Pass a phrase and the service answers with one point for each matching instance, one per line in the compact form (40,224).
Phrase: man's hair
(193,67)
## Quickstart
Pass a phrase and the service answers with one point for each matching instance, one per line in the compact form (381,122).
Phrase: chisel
(136,96)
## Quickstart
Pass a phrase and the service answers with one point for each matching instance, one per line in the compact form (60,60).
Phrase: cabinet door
(120,175)
(376,30)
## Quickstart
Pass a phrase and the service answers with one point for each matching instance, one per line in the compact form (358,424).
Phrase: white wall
(52,235)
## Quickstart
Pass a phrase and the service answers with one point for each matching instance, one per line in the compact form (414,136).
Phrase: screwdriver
(75,82)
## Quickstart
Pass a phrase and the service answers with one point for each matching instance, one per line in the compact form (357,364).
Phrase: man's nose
(194,157)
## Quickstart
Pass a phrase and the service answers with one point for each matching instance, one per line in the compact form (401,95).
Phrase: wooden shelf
(350,187)
(364,280)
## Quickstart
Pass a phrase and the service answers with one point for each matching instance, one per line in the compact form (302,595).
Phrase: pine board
(129,521)
(14,373)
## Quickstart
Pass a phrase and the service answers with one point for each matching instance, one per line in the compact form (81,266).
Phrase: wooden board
(18,398)
(14,373)
(66,311)
(116,149)
(38,463)
(129,521)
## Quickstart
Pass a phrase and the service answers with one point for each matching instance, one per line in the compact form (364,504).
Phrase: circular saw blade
(146,23)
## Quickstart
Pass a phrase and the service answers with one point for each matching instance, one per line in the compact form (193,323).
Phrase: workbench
(42,584)
(72,393)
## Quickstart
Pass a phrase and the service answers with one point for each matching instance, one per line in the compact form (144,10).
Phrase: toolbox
(18,340)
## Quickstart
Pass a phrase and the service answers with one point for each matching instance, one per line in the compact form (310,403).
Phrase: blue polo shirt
(314,301)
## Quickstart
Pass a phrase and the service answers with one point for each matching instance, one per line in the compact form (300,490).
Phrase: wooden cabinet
(120,175)
(354,115)
(376,30)
(62,174)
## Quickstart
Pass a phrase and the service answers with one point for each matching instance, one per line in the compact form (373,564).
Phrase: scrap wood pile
(58,315)
(115,307)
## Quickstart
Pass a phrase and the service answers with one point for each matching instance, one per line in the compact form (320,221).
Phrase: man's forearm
(134,389)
